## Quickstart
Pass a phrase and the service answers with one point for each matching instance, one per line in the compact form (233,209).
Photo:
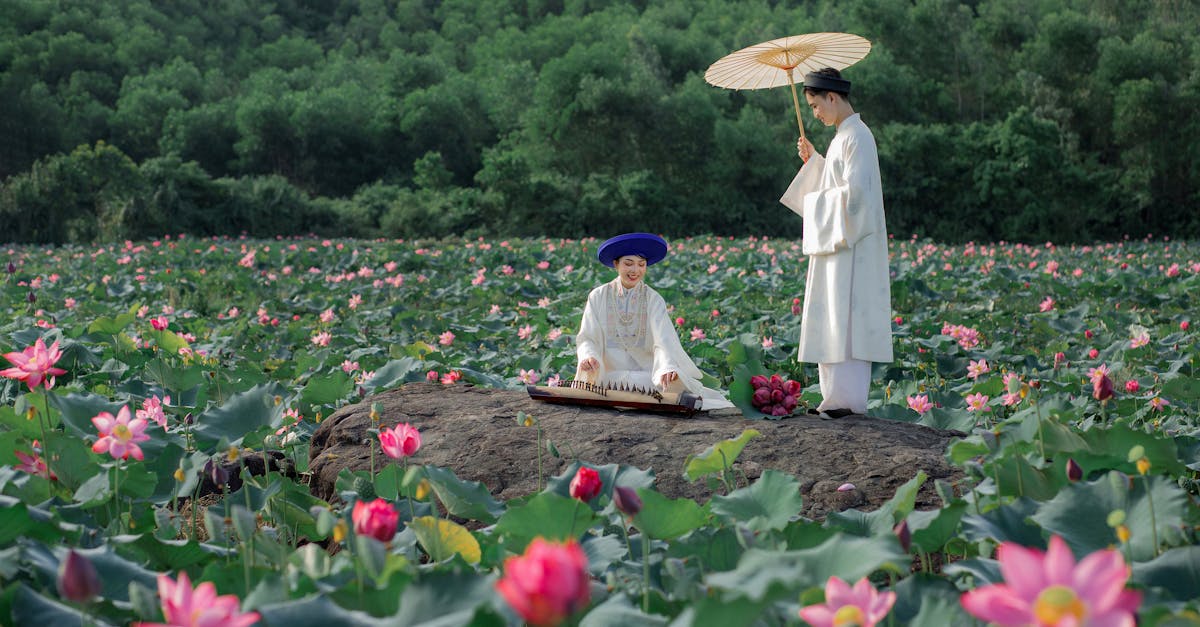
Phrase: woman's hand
(667,378)
(589,364)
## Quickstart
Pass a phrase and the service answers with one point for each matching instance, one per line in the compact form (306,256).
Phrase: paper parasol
(783,61)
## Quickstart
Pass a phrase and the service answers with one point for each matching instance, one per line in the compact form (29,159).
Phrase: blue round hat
(646,245)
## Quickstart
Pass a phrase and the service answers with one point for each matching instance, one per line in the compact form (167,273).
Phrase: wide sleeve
(589,342)
(807,180)
(668,351)
(838,217)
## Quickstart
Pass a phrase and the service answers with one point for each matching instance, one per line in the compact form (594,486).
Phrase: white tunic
(847,296)
(630,334)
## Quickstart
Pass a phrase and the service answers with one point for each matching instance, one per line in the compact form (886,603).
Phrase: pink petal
(1100,579)
(1112,619)
(838,593)
(101,445)
(1059,563)
(817,615)
(1022,570)
(997,603)
(117,449)
(881,605)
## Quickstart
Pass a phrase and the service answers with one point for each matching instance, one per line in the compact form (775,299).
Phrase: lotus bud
(216,473)
(762,396)
(78,580)
(903,535)
(12,269)
(1074,470)
(31,298)
(758,381)
(1102,388)
(627,500)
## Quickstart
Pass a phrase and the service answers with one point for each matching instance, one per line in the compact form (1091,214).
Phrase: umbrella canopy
(782,61)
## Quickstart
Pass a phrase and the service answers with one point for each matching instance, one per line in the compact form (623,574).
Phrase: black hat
(827,83)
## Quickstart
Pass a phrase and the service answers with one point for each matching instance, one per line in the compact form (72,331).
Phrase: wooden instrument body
(583,393)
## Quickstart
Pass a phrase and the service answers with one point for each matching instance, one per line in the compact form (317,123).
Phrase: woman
(626,336)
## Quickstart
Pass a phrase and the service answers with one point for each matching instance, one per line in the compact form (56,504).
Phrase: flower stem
(645,572)
(1153,522)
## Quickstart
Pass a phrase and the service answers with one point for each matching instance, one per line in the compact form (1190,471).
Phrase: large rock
(473,431)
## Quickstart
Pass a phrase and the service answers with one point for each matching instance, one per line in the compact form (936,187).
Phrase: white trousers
(844,385)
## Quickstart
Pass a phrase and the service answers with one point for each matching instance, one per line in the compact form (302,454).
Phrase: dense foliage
(1072,370)
(1021,120)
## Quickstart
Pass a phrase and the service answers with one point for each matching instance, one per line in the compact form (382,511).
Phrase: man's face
(631,269)
(823,107)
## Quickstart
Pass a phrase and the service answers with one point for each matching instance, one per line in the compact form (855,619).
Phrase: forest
(996,120)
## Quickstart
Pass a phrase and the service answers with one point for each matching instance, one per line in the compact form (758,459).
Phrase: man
(847,296)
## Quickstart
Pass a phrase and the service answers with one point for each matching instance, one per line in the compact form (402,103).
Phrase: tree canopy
(1019,120)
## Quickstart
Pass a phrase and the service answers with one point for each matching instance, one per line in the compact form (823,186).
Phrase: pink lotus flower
(1094,353)
(548,583)
(1140,340)
(33,464)
(554,380)
(327,315)
(446,338)
(152,409)
(768,342)
(1095,374)
(679,321)
(1183,326)
(920,403)
(184,607)
(977,402)
(403,440)
(159,323)
(432,376)
(554,334)
(1158,403)
(1049,589)
(35,365)
(698,333)
(1132,386)
(976,368)
(349,366)
(451,377)
(528,377)
(119,436)
(377,519)
(322,338)
(1047,305)
(524,332)
(861,605)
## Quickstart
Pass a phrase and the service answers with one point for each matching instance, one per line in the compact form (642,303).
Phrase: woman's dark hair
(832,73)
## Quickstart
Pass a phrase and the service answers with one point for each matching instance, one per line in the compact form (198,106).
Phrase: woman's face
(631,269)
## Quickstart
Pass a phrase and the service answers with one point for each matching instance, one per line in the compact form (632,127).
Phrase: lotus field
(137,374)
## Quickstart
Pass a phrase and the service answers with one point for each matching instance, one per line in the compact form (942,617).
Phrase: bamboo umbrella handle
(796,103)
